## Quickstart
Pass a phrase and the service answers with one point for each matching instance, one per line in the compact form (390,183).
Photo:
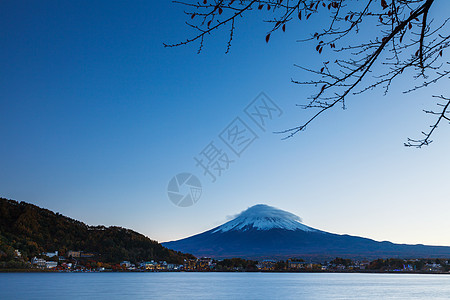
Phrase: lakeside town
(80,261)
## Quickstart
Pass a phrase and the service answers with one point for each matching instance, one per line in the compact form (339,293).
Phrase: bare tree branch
(406,38)
(444,114)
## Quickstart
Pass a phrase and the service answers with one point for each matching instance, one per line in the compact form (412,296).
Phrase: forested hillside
(33,230)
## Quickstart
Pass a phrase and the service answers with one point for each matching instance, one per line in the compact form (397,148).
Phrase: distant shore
(26,271)
(259,271)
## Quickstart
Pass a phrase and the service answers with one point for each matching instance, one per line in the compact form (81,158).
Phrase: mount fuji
(263,231)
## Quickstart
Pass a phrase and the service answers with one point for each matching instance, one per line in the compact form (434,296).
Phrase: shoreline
(259,271)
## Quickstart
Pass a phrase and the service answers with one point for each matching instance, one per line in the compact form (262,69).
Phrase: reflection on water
(222,286)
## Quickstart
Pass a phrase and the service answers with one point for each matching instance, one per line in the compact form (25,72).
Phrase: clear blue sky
(96,116)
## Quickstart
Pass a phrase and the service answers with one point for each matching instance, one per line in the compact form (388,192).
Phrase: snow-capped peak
(264,217)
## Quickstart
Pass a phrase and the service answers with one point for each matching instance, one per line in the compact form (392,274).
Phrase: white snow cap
(264,217)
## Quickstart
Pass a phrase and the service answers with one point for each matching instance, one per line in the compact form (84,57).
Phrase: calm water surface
(222,286)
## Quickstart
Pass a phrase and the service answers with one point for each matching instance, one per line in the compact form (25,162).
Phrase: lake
(222,286)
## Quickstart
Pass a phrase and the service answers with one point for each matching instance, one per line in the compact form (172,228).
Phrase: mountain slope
(266,232)
(34,230)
